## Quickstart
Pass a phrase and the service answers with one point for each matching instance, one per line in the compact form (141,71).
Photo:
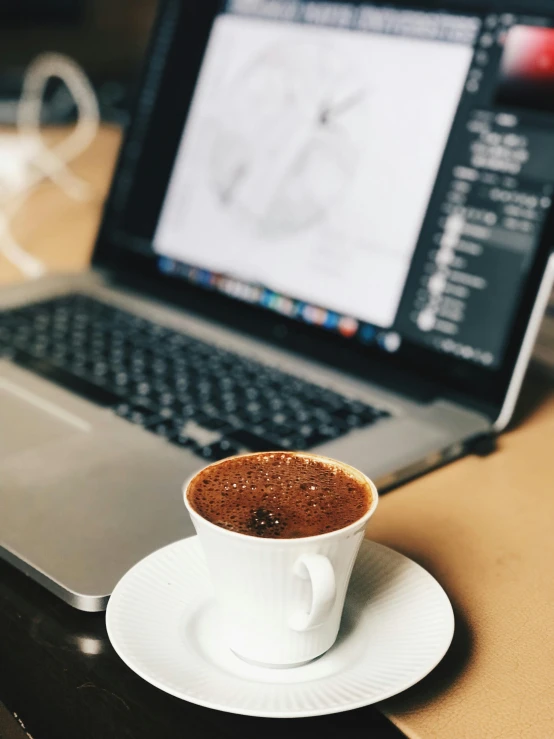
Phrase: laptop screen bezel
(415,369)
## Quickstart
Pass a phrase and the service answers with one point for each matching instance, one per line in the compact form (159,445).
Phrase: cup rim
(362,521)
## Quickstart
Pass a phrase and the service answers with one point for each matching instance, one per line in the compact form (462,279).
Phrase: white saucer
(398,624)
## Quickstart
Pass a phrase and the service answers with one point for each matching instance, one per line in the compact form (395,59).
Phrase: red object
(529,53)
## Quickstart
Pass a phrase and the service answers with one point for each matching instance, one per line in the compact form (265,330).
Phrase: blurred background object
(65,67)
(29,159)
(107,38)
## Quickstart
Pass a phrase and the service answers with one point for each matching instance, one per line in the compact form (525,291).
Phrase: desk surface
(481,526)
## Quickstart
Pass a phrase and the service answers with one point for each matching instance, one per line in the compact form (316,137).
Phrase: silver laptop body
(85,493)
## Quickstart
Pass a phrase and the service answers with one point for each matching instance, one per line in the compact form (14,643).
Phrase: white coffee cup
(281,600)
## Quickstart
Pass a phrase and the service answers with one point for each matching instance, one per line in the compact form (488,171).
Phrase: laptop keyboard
(195,394)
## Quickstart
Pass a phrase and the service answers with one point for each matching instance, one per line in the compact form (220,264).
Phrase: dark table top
(62,679)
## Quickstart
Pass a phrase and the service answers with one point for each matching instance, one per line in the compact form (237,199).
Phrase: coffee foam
(278,496)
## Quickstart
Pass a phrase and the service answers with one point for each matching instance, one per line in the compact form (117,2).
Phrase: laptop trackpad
(28,421)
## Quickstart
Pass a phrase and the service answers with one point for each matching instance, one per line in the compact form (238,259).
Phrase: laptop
(329,229)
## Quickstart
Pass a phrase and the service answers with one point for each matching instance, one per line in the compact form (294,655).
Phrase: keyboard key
(249,440)
(221,450)
(132,414)
(213,423)
(182,440)
(329,431)
(61,377)
(163,428)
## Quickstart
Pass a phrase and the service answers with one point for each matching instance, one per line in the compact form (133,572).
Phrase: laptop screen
(383,173)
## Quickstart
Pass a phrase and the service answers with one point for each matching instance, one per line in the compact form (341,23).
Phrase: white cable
(49,162)
(26,263)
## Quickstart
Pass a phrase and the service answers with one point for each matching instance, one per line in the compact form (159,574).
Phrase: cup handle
(319,570)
